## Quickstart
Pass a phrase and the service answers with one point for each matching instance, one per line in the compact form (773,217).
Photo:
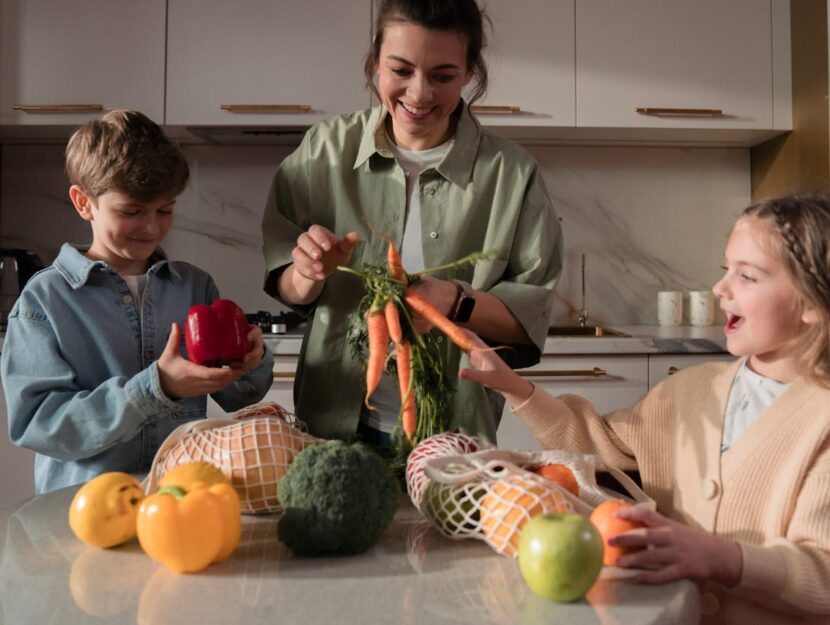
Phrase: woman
(420,170)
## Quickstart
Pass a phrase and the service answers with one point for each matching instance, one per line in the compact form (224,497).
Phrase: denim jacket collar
(76,268)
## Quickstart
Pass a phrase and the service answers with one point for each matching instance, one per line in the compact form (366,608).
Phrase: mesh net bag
(491,494)
(253,449)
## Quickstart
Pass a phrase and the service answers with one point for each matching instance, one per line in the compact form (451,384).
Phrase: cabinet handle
(594,372)
(493,109)
(682,112)
(58,108)
(672,370)
(266,108)
(283,375)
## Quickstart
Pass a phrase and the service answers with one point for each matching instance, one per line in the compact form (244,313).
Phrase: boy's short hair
(125,151)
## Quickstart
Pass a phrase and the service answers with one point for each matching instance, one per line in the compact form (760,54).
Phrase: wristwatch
(464,302)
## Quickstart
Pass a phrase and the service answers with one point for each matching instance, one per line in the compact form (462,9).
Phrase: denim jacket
(80,372)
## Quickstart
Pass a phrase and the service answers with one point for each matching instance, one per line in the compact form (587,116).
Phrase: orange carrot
(378,342)
(402,353)
(393,260)
(393,321)
(429,312)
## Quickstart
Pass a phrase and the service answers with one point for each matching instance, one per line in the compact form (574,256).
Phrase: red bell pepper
(216,333)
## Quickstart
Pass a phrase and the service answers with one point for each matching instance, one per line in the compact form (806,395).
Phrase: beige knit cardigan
(770,491)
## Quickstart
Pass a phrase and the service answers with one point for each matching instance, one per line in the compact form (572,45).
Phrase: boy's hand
(676,551)
(181,378)
(490,370)
(254,356)
(318,252)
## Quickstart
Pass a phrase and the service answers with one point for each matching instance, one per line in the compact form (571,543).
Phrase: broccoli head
(337,498)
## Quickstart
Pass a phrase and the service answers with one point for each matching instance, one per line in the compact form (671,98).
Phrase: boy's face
(125,232)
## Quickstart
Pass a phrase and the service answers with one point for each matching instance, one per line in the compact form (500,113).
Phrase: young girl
(736,455)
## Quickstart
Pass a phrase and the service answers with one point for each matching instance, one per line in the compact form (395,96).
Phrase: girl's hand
(674,551)
(490,370)
(252,358)
(181,378)
(439,293)
(319,251)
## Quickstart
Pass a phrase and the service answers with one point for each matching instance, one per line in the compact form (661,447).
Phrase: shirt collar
(76,268)
(457,165)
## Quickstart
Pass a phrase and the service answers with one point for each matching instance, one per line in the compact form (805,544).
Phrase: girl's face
(125,233)
(764,316)
(421,75)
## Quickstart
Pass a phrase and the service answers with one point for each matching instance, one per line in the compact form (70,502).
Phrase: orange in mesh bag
(490,495)
(253,449)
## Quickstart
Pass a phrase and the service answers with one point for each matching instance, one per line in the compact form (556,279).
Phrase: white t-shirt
(749,396)
(136,285)
(387,397)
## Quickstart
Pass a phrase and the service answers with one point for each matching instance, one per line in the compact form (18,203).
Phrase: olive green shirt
(487,194)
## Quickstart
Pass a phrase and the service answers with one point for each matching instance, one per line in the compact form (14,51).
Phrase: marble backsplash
(647,219)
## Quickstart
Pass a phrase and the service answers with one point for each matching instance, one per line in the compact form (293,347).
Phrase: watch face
(465,309)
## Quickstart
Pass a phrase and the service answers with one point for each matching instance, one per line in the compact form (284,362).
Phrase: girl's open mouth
(733,322)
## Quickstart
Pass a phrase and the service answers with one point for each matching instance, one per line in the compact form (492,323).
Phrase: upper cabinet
(530,58)
(250,62)
(64,62)
(685,64)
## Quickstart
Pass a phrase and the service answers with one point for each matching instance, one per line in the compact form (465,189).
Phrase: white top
(749,396)
(136,285)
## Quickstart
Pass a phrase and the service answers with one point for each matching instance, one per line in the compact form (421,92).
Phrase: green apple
(451,507)
(560,555)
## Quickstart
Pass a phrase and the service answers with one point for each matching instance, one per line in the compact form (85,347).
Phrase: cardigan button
(709,604)
(710,489)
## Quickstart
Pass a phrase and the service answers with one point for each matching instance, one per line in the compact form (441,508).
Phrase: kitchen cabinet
(692,57)
(17,465)
(293,62)
(661,366)
(281,391)
(607,381)
(65,62)
(530,59)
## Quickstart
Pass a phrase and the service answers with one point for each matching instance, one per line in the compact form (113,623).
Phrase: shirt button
(127,299)
(440,339)
(709,604)
(709,489)
(433,235)
(430,191)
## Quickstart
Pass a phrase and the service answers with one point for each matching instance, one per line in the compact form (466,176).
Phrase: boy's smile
(125,232)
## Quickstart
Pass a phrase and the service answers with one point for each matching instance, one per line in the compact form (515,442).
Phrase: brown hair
(801,238)
(125,151)
(459,16)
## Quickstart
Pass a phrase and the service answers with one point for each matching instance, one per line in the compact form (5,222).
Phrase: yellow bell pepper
(188,531)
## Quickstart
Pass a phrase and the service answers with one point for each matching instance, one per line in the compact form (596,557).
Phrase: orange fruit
(509,504)
(603,517)
(560,474)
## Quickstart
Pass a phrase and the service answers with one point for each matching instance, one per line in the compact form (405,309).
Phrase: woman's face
(421,75)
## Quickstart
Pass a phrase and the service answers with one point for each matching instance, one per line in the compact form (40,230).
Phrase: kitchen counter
(413,575)
(641,340)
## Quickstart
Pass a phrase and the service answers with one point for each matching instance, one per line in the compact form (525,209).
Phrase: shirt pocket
(488,273)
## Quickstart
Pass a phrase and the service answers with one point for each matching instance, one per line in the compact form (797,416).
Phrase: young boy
(92,363)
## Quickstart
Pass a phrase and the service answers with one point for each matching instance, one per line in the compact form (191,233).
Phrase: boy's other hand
(318,252)
(254,356)
(181,378)
(490,370)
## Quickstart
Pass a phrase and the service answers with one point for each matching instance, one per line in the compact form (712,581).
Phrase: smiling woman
(417,171)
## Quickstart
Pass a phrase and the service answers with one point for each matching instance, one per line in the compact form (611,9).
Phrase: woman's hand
(490,370)
(319,251)
(181,378)
(674,551)
(439,293)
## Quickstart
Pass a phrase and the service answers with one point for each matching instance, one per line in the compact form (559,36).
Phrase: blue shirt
(80,373)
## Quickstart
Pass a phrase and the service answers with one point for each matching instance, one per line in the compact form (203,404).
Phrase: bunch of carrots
(389,300)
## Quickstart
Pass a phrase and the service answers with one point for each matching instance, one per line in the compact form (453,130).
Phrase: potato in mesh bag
(253,449)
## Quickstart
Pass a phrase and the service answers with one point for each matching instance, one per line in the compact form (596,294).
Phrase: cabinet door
(661,366)
(85,52)
(282,390)
(530,59)
(683,54)
(608,382)
(292,53)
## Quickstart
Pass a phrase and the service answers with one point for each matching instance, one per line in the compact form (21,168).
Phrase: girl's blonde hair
(801,237)
(126,151)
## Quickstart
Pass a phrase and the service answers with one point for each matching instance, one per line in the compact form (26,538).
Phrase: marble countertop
(641,340)
(413,575)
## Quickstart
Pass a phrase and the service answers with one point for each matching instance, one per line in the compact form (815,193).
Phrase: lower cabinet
(281,391)
(17,465)
(661,366)
(608,382)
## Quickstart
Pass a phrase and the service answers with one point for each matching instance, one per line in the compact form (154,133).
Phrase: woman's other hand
(491,371)
(319,251)
(674,551)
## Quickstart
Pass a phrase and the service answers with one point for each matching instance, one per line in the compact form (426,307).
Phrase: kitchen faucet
(583,314)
